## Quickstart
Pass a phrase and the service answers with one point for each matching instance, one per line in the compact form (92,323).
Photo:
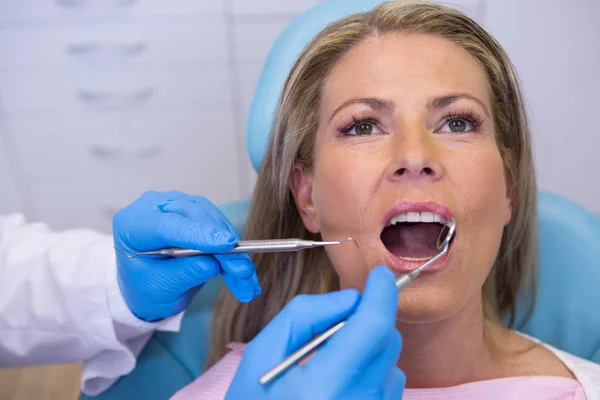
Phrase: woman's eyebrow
(376,103)
(446,100)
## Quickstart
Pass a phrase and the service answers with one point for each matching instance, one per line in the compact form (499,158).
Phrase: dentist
(66,297)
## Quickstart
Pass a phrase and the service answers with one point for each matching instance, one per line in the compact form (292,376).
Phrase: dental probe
(243,246)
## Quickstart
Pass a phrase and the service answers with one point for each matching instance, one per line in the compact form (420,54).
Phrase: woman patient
(391,123)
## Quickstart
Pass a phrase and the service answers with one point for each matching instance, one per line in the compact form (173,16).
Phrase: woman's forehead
(405,69)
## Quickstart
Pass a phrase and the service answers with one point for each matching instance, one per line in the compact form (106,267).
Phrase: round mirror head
(446,234)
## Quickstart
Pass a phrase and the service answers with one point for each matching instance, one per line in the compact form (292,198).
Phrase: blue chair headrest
(568,286)
(279,63)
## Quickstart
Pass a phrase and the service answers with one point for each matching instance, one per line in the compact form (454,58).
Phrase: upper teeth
(417,217)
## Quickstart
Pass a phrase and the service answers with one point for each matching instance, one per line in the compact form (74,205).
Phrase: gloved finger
(394,387)
(151,197)
(177,274)
(163,287)
(301,319)
(214,211)
(373,375)
(199,209)
(373,381)
(239,274)
(368,329)
(143,207)
(238,270)
(153,312)
(189,272)
(160,230)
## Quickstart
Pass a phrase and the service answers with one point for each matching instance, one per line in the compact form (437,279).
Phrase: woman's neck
(446,353)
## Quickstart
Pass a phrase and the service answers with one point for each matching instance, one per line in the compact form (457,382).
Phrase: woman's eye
(362,129)
(457,125)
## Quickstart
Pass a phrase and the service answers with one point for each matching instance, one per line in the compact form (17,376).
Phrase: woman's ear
(301,186)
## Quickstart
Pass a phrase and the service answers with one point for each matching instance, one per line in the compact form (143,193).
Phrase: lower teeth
(415,259)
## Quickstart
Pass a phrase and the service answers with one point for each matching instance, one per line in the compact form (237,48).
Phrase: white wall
(9,198)
(99,103)
(555,46)
(101,100)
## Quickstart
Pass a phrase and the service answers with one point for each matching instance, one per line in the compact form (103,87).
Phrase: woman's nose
(414,158)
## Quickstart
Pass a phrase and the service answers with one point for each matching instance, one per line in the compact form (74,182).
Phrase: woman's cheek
(350,265)
(342,190)
(478,174)
(481,190)
(341,198)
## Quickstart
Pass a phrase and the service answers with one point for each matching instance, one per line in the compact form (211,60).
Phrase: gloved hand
(158,287)
(358,362)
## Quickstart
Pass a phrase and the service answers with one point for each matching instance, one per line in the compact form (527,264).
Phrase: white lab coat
(60,303)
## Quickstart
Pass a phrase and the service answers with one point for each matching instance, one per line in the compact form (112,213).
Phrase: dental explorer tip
(332,242)
(125,254)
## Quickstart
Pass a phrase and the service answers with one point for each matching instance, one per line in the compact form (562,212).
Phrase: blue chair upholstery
(566,313)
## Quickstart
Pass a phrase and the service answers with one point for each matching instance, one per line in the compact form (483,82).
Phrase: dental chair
(567,312)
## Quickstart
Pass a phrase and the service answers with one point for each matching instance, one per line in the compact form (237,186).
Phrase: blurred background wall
(101,100)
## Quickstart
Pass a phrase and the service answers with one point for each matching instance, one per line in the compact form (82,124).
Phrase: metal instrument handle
(242,247)
(301,353)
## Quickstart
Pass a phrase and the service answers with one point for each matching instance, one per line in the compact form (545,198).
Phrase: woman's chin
(426,305)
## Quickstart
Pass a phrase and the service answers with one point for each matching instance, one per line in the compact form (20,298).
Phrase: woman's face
(406,135)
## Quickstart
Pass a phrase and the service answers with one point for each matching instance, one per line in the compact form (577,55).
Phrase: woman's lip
(402,265)
(414,206)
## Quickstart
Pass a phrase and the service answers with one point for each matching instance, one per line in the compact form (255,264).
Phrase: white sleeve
(60,303)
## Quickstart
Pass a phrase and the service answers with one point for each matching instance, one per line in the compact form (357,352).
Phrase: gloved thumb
(304,317)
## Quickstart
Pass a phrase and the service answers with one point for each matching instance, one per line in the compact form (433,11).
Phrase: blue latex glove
(358,362)
(157,287)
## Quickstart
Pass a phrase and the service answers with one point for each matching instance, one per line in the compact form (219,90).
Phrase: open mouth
(413,236)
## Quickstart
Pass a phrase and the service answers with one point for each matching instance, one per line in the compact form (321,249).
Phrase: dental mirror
(446,234)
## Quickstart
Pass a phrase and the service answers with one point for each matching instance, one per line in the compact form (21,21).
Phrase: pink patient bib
(213,385)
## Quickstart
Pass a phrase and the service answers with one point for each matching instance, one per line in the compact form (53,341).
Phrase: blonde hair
(274,215)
